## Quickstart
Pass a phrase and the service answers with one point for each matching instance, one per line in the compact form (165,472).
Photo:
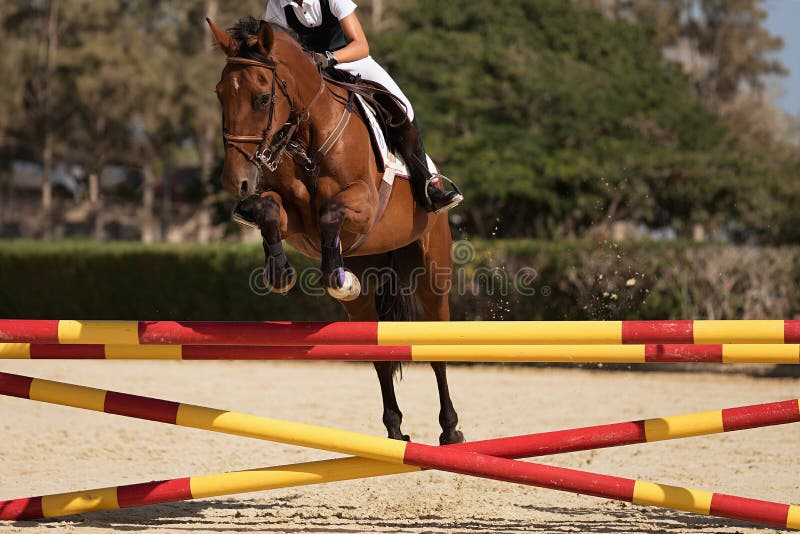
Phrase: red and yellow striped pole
(396,456)
(785,354)
(400,333)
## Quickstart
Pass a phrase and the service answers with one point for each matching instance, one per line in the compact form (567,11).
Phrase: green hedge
(566,280)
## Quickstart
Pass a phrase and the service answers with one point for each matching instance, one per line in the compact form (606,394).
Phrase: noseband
(270,154)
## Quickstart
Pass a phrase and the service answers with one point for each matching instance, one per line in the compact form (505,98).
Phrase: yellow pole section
(15,351)
(317,437)
(794,517)
(68,395)
(79,502)
(286,476)
(500,333)
(684,426)
(98,332)
(674,497)
(529,353)
(738,331)
(144,352)
(761,354)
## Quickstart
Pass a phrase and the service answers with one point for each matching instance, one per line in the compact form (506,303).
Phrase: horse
(318,185)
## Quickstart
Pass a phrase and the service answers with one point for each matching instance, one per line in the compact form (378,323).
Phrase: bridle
(270,155)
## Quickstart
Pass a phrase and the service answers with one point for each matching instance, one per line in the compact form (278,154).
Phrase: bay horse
(290,145)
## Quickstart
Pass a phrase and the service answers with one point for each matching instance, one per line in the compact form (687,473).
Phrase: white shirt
(309,12)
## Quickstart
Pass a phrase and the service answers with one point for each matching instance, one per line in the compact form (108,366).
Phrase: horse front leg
(351,206)
(279,275)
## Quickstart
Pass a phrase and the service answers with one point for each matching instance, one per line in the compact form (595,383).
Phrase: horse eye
(263,100)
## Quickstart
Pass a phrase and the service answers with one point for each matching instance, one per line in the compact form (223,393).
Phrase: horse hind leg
(392,416)
(448,418)
(392,304)
(432,290)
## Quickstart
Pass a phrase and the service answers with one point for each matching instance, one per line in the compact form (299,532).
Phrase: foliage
(722,43)
(557,120)
(570,280)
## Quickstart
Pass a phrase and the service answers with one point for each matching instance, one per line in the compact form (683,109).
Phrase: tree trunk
(94,188)
(206,150)
(166,206)
(96,214)
(377,15)
(149,226)
(47,176)
(47,142)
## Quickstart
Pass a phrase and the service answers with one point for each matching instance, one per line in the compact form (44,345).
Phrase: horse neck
(306,77)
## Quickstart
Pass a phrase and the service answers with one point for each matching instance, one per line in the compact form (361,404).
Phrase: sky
(783,19)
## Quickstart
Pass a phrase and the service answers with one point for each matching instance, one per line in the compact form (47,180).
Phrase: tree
(556,119)
(198,72)
(723,44)
(40,87)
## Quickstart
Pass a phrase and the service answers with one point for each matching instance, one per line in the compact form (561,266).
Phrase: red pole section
(263,333)
(598,485)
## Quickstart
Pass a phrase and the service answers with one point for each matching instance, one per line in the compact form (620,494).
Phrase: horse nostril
(244,188)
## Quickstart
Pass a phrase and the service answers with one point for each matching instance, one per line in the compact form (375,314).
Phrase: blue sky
(784,20)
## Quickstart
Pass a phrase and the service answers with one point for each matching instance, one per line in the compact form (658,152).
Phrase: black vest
(326,36)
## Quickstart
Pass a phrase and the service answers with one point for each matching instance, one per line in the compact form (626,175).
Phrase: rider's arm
(358,48)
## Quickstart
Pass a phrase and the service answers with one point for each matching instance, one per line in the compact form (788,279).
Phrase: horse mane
(246,28)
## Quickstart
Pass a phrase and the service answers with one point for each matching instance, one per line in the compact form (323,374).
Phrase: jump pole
(467,459)
(681,353)
(399,333)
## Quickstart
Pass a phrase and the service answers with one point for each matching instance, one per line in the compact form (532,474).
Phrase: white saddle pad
(391,160)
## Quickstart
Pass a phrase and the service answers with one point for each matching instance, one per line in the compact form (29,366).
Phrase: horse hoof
(350,289)
(289,276)
(451,438)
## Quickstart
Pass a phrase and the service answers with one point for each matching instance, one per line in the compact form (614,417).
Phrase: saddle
(389,110)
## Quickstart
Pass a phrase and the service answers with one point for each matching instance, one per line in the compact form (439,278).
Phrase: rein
(270,155)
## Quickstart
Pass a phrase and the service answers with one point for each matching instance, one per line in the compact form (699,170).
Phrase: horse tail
(394,302)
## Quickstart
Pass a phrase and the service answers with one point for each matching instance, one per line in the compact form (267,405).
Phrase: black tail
(394,303)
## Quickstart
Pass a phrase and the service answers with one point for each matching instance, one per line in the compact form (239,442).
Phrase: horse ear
(226,43)
(266,37)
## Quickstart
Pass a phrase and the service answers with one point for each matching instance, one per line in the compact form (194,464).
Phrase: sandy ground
(47,449)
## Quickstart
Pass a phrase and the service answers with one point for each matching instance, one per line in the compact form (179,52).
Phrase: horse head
(256,101)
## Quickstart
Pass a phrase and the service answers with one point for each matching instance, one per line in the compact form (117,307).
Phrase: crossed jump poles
(765,341)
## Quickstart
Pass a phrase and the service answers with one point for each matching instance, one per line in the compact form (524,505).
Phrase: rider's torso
(327,36)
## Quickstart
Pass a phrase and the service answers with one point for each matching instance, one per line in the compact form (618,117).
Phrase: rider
(332,31)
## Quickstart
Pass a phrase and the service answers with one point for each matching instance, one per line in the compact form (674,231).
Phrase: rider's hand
(325,60)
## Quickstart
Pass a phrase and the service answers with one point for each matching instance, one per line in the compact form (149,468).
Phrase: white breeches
(369,69)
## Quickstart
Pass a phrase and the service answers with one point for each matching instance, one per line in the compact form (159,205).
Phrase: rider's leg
(369,69)
(426,187)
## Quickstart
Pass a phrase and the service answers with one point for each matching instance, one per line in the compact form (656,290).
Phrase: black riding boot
(424,184)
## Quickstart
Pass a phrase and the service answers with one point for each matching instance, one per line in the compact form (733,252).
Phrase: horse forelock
(247,28)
